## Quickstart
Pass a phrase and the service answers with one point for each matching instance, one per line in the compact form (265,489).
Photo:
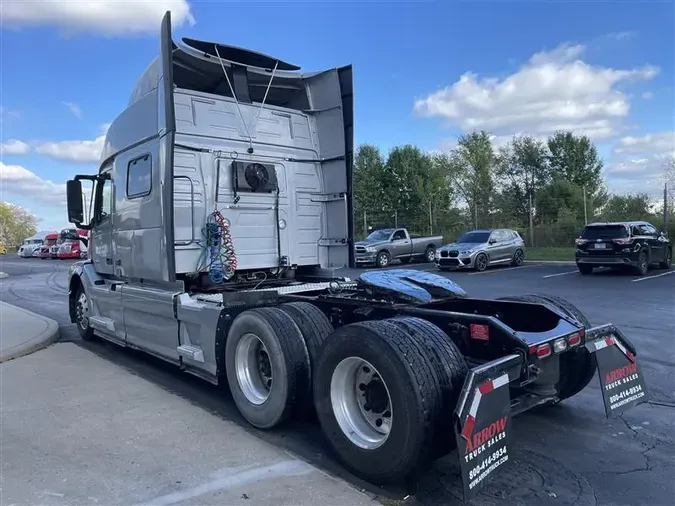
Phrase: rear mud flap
(483,422)
(621,379)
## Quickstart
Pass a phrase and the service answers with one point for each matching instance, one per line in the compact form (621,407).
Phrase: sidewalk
(80,430)
(23,332)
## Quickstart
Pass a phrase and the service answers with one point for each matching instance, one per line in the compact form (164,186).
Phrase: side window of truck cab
(139,177)
(106,200)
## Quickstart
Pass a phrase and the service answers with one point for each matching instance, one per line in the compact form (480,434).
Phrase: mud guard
(483,421)
(621,379)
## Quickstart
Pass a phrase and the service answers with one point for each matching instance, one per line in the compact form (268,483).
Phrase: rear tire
(315,327)
(409,404)
(643,264)
(585,269)
(430,254)
(267,366)
(518,258)
(451,370)
(667,262)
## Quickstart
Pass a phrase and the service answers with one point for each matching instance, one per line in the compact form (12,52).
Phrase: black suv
(635,244)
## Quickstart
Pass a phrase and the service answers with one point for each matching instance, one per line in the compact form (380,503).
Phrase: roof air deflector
(239,55)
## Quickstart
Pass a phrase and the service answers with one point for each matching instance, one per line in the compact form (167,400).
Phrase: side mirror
(74,200)
(492,241)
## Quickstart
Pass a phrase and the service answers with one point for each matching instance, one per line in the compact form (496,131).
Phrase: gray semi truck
(222,207)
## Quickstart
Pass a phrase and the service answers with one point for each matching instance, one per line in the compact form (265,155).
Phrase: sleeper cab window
(139,177)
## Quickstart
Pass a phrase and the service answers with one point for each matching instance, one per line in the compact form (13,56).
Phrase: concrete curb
(41,340)
(551,262)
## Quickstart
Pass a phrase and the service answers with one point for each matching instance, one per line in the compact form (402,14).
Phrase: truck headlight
(370,249)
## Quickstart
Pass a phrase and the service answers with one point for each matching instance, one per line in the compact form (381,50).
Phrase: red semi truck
(49,241)
(69,244)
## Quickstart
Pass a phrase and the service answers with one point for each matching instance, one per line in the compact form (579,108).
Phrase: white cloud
(74,108)
(554,90)
(637,162)
(14,147)
(658,144)
(48,198)
(104,17)
(17,180)
(79,151)
(647,95)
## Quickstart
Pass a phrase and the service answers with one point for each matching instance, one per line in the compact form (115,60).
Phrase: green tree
(627,207)
(522,166)
(575,159)
(559,198)
(412,177)
(474,162)
(15,224)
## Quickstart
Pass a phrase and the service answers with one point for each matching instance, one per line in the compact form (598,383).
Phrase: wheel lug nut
(378,422)
(362,386)
(366,407)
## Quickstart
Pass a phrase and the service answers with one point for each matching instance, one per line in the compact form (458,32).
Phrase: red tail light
(543,350)
(627,240)
(574,340)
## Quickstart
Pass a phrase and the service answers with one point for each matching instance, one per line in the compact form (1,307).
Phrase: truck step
(102,323)
(191,352)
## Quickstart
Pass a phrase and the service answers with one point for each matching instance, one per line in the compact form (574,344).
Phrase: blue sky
(424,73)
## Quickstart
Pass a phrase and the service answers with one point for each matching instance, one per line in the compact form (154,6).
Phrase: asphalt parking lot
(564,455)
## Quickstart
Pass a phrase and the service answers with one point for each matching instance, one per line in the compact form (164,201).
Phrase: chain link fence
(553,225)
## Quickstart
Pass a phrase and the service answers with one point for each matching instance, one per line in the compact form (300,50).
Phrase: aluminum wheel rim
(519,257)
(361,403)
(384,260)
(430,255)
(82,311)
(481,262)
(253,368)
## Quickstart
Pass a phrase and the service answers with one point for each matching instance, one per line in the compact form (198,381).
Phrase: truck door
(105,295)
(101,246)
(401,244)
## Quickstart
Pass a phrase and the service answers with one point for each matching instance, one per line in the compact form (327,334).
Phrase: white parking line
(652,277)
(561,274)
(504,270)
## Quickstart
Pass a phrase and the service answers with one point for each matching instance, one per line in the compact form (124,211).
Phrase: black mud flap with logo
(483,422)
(621,379)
